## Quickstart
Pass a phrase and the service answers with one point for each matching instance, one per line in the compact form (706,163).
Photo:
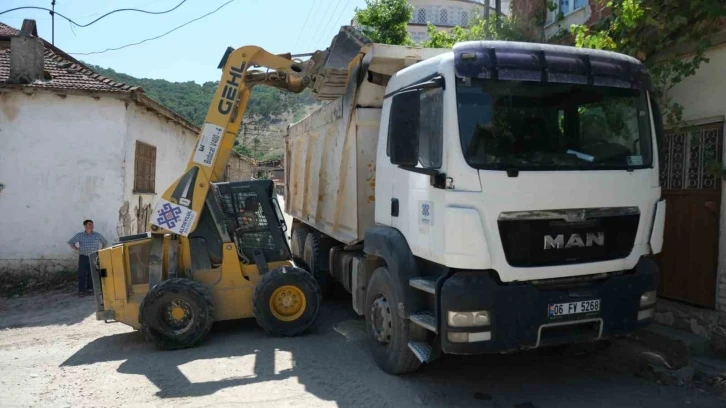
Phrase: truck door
(385,206)
(417,147)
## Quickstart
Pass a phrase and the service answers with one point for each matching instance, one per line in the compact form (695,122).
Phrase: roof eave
(141,98)
(135,95)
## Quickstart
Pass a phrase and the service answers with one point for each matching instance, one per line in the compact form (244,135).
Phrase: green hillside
(267,106)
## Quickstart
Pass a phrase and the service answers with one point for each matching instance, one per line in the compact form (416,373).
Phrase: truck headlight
(648,298)
(469,319)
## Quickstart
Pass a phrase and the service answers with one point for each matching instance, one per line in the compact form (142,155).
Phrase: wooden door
(689,259)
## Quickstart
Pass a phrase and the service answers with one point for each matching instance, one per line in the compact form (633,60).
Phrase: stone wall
(20,276)
(239,168)
(710,324)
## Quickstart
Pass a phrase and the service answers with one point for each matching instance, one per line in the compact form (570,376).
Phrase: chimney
(26,55)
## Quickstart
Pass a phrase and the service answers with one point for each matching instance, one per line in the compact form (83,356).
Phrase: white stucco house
(75,146)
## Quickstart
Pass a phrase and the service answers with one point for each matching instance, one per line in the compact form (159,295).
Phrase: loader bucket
(332,74)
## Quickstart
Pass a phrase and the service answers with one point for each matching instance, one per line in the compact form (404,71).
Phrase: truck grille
(561,237)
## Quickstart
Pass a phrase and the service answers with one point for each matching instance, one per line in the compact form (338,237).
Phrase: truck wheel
(286,301)
(314,256)
(297,241)
(388,333)
(176,314)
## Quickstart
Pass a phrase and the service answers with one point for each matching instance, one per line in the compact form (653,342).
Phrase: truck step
(421,349)
(428,285)
(425,319)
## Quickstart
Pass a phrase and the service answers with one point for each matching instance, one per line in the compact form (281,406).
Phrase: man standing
(88,242)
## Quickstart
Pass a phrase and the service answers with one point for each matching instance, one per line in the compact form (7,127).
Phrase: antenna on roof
(52,19)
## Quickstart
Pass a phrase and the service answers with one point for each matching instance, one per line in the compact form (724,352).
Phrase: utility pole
(52,22)
(498,7)
(486,10)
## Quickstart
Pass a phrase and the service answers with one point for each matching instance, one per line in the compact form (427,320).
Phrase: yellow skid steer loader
(215,250)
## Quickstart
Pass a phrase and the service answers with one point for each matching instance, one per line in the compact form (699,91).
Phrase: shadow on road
(162,368)
(318,361)
(44,309)
(335,368)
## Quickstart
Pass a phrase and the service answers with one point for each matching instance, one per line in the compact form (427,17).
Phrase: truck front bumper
(520,317)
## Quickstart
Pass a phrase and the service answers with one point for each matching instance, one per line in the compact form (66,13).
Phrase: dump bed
(330,158)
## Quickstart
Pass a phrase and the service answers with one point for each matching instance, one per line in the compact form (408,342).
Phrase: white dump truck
(488,198)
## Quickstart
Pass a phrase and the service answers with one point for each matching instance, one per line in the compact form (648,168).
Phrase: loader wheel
(388,333)
(176,314)
(286,301)
(297,241)
(314,254)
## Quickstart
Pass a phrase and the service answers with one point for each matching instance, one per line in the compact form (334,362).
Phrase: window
(144,168)
(531,126)
(686,156)
(563,8)
(431,128)
(464,18)
(443,17)
(421,16)
(424,123)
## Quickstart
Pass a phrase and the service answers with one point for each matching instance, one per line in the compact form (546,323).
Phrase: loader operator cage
(253,219)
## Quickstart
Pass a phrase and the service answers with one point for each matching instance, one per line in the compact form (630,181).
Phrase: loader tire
(388,333)
(176,314)
(297,241)
(286,301)
(315,254)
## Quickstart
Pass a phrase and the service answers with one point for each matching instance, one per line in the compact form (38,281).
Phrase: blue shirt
(89,243)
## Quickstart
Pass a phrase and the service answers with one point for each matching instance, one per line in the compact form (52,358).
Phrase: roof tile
(6,31)
(64,74)
(67,73)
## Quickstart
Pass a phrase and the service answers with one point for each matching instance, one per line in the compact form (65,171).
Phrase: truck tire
(314,255)
(286,301)
(388,333)
(297,241)
(176,314)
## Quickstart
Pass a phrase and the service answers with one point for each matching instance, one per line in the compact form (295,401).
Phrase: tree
(649,30)
(385,21)
(480,28)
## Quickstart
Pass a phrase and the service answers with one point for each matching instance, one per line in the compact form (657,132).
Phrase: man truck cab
(511,197)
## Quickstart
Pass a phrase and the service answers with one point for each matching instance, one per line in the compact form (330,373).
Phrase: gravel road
(55,354)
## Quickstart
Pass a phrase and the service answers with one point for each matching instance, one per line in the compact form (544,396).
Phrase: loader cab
(245,213)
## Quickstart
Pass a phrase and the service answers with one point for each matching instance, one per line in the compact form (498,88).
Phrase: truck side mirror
(403,128)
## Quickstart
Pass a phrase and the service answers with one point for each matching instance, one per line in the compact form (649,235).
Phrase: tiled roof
(6,31)
(65,73)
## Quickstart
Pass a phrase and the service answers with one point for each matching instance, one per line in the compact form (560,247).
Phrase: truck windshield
(548,126)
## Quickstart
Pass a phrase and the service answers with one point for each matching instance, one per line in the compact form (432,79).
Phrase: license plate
(571,308)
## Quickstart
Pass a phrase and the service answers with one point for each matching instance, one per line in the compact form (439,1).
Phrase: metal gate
(689,259)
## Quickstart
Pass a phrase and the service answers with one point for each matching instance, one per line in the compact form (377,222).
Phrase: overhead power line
(138,5)
(92,22)
(310,10)
(154,38)
(322,23)
(315,13)
(342,11)
(327,26)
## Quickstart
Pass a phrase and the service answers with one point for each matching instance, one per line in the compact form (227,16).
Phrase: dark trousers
(84,274)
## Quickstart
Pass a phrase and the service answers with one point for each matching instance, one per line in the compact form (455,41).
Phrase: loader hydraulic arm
(179,208)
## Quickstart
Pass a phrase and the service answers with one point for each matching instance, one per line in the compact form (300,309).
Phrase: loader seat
(251,221)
